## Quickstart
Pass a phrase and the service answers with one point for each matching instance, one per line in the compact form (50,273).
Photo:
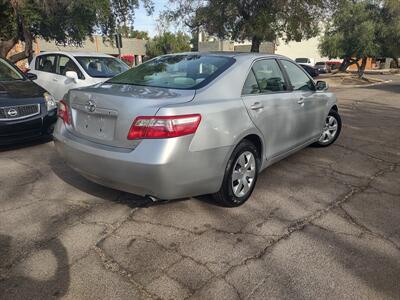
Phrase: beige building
(306,48)
(134,49)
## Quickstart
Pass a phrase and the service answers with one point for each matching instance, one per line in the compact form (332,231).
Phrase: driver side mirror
(72,75)
(321,86)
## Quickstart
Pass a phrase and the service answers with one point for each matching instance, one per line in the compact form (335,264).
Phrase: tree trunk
(361,69)
(345,64)
(255,44)
(6,46)
(396,62)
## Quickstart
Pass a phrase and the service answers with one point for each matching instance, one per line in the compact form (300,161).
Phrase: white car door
(62,84)
(44,66)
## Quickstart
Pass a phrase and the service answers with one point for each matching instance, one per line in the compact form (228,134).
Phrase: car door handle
(300,101)
(55,79)
(256,106)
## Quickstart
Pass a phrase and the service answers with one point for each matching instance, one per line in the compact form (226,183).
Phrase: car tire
(329,134)
(244,163)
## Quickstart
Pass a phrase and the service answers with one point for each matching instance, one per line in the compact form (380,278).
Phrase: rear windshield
(102,67)
(184,71)
(321,63)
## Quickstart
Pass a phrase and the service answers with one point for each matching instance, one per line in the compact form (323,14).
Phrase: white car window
(46,63)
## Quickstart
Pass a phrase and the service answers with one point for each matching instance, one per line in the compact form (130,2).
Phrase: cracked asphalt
(321,224)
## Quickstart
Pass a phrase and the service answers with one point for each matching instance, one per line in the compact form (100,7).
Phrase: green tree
(129,32)
(352,35)
(254,20)
(168,42)
(388,32)
(64,21)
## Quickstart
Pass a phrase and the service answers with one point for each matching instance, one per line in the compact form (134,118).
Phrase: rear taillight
(160,127)
(63,112)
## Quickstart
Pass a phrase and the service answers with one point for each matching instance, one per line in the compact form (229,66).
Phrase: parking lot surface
(323,223)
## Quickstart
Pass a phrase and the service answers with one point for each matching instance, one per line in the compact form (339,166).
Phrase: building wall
(307,48)
(217,45)
(96,44)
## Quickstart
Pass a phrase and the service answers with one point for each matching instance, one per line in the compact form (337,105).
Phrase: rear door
(271,106)
(310,108)
(105,114)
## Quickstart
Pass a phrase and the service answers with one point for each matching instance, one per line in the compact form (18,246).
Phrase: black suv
(27,111)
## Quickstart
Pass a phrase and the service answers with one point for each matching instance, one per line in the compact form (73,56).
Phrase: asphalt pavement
(321,224)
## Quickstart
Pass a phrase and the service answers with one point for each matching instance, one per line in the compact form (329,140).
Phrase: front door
(62,84)
(271,106)
(311,106)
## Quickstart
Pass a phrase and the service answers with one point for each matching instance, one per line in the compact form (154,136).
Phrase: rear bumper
(163,168)
(13,132)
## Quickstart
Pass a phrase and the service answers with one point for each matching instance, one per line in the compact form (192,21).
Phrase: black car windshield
(103,67)
(8,73)
(320,63)
(181,71)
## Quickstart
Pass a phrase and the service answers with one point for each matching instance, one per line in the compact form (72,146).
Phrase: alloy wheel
(329,131)
(243,174)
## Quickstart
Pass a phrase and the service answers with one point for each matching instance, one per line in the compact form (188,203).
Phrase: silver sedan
(194,123)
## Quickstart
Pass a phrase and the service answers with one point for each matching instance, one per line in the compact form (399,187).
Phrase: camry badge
(90,106)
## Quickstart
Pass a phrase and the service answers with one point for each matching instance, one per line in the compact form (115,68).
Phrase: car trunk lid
(104,114)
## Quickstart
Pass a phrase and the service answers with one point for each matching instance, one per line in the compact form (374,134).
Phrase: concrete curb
(359,85)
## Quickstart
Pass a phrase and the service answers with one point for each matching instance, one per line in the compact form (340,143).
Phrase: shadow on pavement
(18,286)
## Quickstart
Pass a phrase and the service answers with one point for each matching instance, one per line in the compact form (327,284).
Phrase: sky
(148,23)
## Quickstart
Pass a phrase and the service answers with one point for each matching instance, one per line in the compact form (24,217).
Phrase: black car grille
(19,112)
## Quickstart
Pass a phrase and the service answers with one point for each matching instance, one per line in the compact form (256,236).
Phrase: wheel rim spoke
(243,174)
(330,129)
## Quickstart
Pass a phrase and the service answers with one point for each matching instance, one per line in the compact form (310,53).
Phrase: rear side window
(182,71)
(46,63)
(251,85)
(66,64)
(298,78)
(269,76)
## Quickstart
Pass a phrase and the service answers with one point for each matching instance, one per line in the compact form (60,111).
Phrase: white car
(58,72)
(305,61)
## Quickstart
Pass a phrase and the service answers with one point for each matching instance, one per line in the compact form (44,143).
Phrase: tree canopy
(362,29)
(254,20)
(168,42)
(65,21)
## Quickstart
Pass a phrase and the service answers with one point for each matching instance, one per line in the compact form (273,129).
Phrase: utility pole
(118,43)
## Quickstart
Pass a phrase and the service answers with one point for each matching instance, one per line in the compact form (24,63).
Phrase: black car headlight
(50,101)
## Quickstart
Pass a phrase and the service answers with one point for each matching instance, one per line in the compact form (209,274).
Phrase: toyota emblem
(12,112)
(90,106)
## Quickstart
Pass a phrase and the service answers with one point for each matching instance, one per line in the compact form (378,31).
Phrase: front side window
(102,67)
(183,71)
(46,63)
(8,73)
(269,76)
(66,64)
(298,78)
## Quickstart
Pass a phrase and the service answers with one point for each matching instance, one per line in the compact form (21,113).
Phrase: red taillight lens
(63,112)
(160,127)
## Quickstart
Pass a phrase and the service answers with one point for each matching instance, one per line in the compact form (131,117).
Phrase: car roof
(76,53)
(231,54)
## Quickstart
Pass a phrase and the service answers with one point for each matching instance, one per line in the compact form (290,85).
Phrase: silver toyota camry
(194,123)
